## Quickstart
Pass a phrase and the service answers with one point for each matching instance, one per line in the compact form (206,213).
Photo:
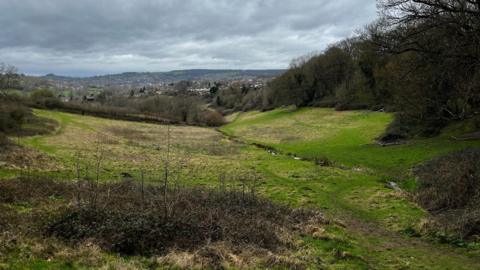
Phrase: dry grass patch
(18,157)
(128,147)
(127,133)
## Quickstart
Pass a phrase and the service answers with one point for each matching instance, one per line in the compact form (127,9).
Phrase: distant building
(89,98)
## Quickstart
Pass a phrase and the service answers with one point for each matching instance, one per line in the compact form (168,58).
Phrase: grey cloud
(105,36)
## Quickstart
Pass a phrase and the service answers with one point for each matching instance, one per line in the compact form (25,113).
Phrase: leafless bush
(125,223)
(449,187)
(211,118)
(129,219)
(12,115)
(158,109)
(32,190)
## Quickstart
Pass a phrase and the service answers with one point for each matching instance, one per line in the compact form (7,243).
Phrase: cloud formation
(108,36)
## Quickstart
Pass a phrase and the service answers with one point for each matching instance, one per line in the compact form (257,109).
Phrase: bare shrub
(211,118)
(206,228)
(16,119)
(449,187)
(32,190)
(12,116)
(123,222)
(158,109)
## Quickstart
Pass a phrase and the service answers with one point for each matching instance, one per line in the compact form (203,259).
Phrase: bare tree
(9,78)
(177,167)
(416,23)
(77,158)
(440,38)
(166,170)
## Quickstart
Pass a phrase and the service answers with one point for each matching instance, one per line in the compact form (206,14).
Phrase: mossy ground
(372,218)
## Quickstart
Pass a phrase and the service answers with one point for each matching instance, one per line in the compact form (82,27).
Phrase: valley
(323,160)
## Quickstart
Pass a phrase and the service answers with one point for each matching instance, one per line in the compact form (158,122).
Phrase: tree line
(16,101)
(420,59)
(166,109)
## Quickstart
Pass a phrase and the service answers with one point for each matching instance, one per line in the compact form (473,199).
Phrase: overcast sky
(88,37)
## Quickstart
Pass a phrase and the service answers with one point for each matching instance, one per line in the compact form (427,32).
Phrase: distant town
(133,84)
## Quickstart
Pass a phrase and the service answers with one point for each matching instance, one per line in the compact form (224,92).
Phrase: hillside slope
(352,181)
(371,223)
(166,77)
(346,137)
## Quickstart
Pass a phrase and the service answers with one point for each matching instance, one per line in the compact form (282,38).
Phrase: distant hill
(141,78)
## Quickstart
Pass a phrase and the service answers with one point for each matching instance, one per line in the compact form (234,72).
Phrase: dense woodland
(421,59)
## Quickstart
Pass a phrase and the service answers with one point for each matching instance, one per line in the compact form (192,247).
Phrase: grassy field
(346,137)
(353,189)
(360,169)
(80,142)
(372,222)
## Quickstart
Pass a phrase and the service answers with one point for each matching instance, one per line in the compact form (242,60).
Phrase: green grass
(354,189)
(6,174)
(38,141)
(344,137)
(337,191)
(369,217)
(128,147)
